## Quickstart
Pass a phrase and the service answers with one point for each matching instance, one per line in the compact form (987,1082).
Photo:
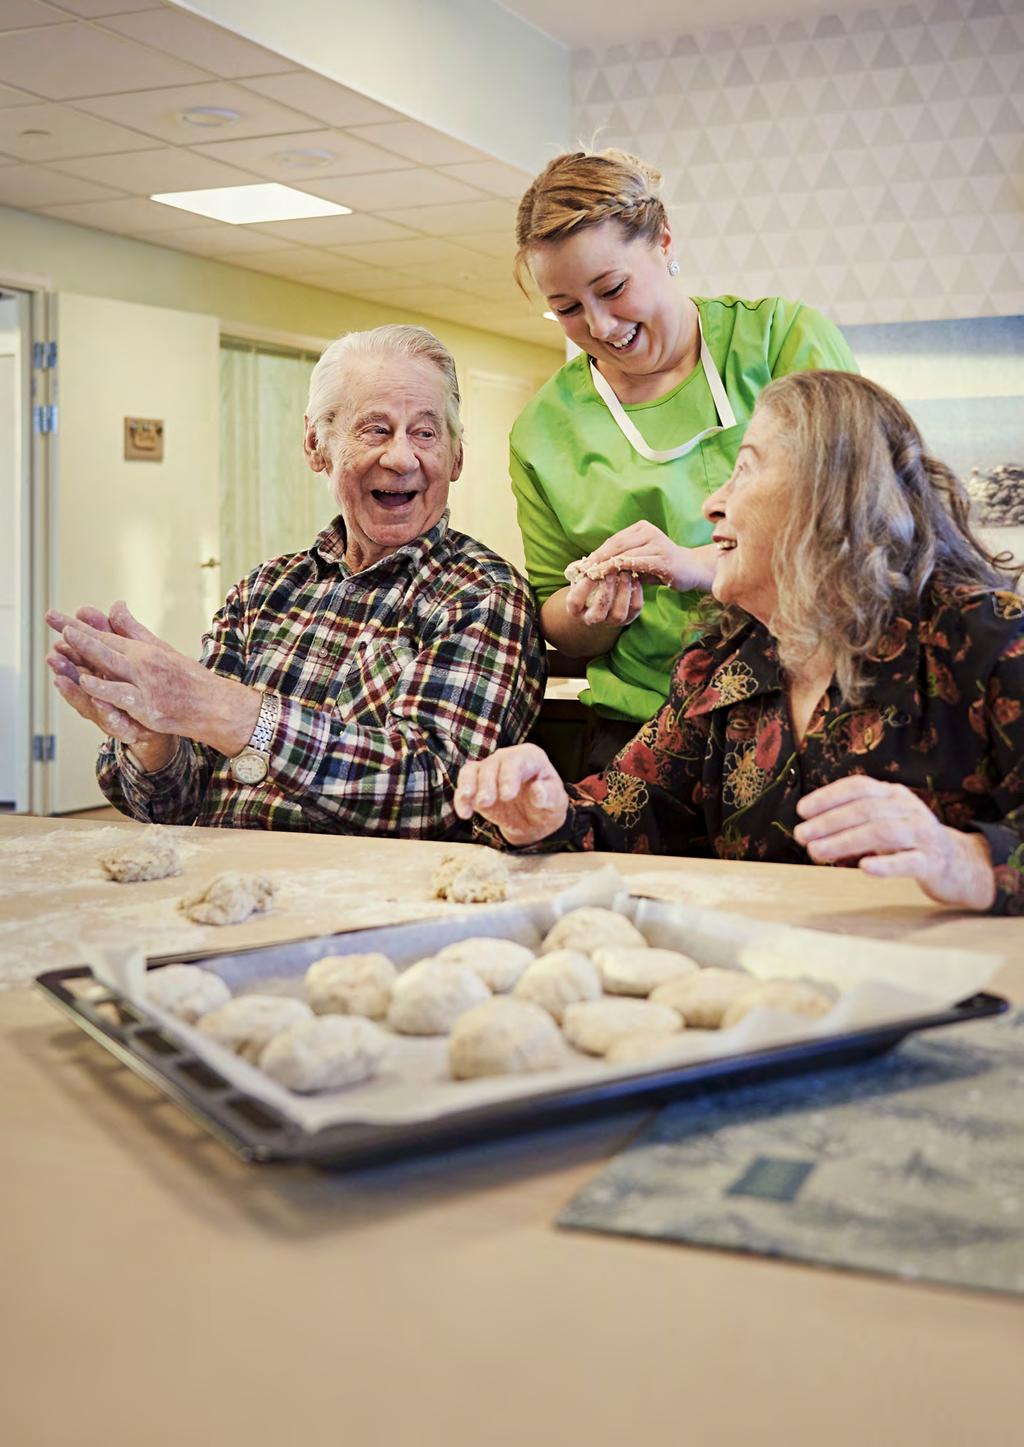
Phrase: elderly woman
(860,699)
(342,687)
(613,458)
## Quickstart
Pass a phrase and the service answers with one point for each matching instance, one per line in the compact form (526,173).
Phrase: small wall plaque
(143,439)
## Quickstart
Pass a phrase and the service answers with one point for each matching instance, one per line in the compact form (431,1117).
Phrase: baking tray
(257,1132)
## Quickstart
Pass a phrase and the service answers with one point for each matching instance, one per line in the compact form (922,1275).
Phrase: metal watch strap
(266,724)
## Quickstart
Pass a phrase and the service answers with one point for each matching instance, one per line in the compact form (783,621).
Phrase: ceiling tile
(95,9)
(264,156)
(9,161)
(168,169)
(190,39)
(9,96)
(131,217)
(419,187)
(23,14)
(415,298)
(355,281)
(464,216)
(32,186)
(419,143)
(158,112)
(324,100)
(63,62)
(61,132)
(296,262)
(501,244)
(407,252)
(335,230)
(232,243)
(491,176)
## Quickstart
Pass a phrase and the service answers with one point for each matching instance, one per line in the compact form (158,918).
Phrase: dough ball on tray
(351,985)
(504,1036)
(499,963)
(228,898)
(558,979)
(325,1053)
(590,929)
(627,970)
(248,1023)
(478,878)
(186,991)
(794,997)
(703,997)
(594,1025)
(152,854)
(429,997)
(642,1045)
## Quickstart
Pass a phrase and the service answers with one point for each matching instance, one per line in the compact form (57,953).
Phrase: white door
(138,530)
(15,344)
(482,503)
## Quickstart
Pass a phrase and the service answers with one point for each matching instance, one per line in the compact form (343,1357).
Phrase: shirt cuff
(573,835)
(1007,849)
(136,781)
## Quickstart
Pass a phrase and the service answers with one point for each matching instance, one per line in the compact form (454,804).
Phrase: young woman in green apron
(613,458)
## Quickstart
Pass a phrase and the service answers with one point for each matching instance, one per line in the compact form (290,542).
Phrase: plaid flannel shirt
(389,679)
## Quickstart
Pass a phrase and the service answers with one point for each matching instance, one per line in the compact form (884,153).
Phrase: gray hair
(874,520)
(327,381)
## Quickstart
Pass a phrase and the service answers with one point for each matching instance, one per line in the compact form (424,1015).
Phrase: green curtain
(270,502)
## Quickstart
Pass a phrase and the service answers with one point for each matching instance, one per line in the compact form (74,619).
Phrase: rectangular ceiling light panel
(247,205)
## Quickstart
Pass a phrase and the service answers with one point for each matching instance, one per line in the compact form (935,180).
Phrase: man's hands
(517,789)
(890,832)
(130,683)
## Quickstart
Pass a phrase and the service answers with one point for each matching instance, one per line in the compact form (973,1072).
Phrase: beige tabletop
(157,1293)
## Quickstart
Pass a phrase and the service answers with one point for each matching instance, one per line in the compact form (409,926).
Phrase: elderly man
(341,688)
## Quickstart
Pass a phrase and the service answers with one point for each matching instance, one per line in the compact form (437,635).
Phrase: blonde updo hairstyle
(874,520)
(327,382)
(584,188)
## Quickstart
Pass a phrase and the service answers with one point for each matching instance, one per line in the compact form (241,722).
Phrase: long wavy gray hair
(874,521)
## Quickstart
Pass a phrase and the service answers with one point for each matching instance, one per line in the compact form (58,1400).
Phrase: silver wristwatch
(252,765)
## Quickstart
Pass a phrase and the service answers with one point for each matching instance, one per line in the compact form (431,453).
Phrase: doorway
(15,548)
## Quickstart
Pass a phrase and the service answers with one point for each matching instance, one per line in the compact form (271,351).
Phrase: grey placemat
(912,1165)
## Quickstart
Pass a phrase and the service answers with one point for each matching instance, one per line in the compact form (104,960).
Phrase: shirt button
(793,776)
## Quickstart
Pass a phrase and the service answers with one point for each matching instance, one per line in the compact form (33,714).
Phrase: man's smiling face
(390,458)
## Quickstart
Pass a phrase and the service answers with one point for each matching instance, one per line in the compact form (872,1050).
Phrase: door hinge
(44,419)
(44,748)
(44,356)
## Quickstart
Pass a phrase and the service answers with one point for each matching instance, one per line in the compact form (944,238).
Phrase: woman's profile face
(614,297)
(748,514)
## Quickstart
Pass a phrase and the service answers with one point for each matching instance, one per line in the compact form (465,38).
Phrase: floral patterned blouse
(718,771)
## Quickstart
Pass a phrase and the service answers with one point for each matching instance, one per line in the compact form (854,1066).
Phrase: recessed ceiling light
(210,117)
(244,205)
(548,316)
(305,159)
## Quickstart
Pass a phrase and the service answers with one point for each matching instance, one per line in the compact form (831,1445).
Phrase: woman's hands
(645,550)
(518,790)
(889,832)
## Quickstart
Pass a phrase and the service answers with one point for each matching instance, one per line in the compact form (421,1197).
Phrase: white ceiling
(91,96)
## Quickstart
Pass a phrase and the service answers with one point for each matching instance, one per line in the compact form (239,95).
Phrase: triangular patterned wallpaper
(872,163)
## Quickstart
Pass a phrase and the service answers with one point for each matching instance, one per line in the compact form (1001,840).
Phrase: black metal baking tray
(256,1132)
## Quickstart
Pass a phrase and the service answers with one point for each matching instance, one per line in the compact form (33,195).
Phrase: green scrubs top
(577,480)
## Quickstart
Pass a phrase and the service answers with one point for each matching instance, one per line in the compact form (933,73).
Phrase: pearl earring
(673,268)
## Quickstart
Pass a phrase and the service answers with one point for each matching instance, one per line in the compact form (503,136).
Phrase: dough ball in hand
(591,929)
(499,963)
(703,997)
(186,991)
(558,979)
(594,1025)
(351,985)
(795,997)
(153,854)
(228,898)
(429,997)
(325,1053)
(504,1036)
(478,878)
(626,970)
(248,1023)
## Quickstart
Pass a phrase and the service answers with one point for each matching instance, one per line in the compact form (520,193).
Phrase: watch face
(249,767)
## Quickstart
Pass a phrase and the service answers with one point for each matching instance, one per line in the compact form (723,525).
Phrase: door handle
(211,563)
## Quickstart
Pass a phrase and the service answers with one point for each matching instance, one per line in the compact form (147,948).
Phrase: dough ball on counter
(248,1023)
(642,1045)
(186,991)
(153,854)
(325,1053)
(591,929)
(228,898)
(595,1025)
(504,1036)
(499,963)
(627,970)
(429,997)
(703,997)
(795,997)
(479,878)
(351,985)
(558,979)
